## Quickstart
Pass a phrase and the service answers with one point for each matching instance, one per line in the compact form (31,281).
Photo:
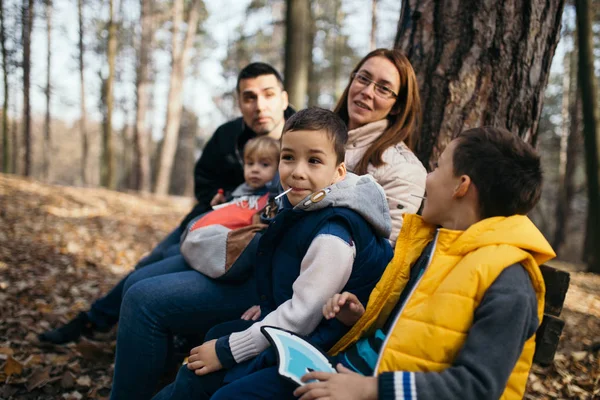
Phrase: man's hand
(203,359)
(218,199)
(345,307)
(342,386)
(251,314)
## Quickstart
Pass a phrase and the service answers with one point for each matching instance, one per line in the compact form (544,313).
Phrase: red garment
(233,216)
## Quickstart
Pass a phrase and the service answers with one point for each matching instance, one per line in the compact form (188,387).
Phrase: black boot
(71,331)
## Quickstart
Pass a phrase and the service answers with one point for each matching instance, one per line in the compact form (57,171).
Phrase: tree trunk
(109,159)
(478,63)
(175,101)
(84,172)
(568,150)
(47,137)
(587,81)
(141,134)
(313,76)
(5,150)
(27,27)
(373,41)
(297,56)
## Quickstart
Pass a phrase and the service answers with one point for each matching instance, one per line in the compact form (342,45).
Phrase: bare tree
(589,103)
(83,117)
(141,133)
(297,50)
(479,63)
(571,108)
(373,41)
(47,137)
(5,133)
(109,158)
(26,38)
(180,59)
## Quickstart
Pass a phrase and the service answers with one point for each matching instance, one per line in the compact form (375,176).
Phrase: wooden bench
(548,334)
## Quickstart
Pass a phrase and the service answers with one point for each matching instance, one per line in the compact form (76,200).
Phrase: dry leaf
(67,381)
(72,396)
(84,381)
(12,367)
(579,355)
(38,379)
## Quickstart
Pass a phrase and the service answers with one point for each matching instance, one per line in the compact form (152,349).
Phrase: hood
(358,193)
(516,230)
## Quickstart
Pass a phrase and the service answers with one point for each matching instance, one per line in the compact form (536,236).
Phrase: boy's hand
(345,385)
(203,359)
(218,199)
(251,314)
(345,307)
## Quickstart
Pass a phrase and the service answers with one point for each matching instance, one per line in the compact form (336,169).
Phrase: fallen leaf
(68,380)
(38,379)
(12,367)
(84,381)
(579,355)
(72,396)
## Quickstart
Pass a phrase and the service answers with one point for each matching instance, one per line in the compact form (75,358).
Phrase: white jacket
(401,177)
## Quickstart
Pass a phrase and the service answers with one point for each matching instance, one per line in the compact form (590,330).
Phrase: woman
(382,109)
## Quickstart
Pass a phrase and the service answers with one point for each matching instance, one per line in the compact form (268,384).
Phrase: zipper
(387,338)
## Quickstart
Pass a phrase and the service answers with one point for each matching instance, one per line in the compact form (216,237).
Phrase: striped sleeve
(397,386)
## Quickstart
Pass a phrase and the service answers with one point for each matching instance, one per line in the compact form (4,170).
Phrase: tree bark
(84,172)
(587,84)
(568,150)
(141,133)
(47,136)
(109,158)
(27,27)
(174,106)
(297,51)
(478,63)
(5,149)
(373,41)
(313,77)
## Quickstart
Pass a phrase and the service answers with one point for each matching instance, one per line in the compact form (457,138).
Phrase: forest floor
(62,247)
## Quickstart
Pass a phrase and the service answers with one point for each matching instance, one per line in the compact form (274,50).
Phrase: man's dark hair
(320,119)
(255,70)
(505,170)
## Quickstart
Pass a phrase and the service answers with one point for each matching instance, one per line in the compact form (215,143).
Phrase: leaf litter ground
(63,247)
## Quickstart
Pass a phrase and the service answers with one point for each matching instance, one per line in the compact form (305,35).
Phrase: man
(263,103)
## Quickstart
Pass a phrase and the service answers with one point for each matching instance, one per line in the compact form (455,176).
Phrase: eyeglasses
(380,90)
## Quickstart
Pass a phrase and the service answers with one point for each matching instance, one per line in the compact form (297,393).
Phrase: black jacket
(221,165)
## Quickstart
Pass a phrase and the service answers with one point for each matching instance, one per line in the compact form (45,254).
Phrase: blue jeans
(263,384)
(104,312)
(154,308)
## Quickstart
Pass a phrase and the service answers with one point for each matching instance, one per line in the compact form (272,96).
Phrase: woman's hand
(345,307)
(251,314)
(344,385)
(203,359)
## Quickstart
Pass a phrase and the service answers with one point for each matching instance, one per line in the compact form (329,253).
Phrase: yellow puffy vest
(436,318)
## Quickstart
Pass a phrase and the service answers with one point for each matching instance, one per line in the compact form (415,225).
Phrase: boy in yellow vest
(455,313)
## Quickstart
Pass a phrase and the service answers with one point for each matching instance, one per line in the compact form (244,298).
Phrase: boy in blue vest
(330,235)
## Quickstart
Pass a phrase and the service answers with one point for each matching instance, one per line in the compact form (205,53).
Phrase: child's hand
(218,199)
(345,307)
(203,359)
(344,385)
(251,314)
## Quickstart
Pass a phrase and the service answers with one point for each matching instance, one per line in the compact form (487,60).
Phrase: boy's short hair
(255,70)
(320,119)
(505,170)
(262,147)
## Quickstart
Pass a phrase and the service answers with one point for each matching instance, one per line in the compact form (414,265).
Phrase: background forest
(123,95)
